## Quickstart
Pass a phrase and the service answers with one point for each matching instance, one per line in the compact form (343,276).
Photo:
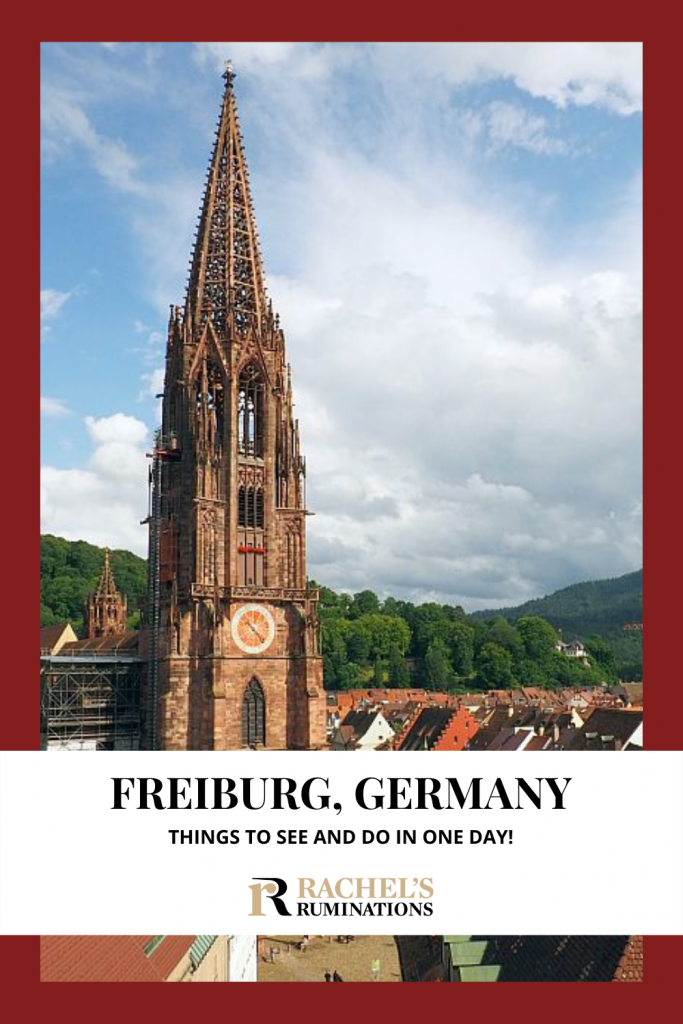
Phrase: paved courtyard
(353,961)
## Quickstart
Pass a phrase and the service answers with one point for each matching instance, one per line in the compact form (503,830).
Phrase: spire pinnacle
(226,283)
(228,74)
(107,584)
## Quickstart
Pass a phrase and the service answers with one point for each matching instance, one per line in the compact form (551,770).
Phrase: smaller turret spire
(105,610)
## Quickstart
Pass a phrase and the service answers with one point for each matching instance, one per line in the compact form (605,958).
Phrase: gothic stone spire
(228,522)
(106,586)
(105,610)
(226,277)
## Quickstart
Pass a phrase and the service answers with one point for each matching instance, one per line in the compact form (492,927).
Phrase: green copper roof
(199,948)
(464,954)
(467,956)
(153,944)
(480,973)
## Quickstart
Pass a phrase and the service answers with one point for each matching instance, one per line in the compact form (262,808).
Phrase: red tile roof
(631,964)
(169,953)
(49,635)
(111,643)
(109,957)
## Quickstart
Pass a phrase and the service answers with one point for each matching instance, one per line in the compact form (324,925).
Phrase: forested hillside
(599,606)
(69,571)
(368,641)
(396,643)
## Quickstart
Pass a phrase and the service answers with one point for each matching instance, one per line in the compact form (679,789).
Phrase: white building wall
(242,959)
(378,733)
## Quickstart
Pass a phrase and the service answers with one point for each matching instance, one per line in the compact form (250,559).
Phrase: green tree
(47,617)
(530,673)
(461,646)
(568,671)
(539,638)
(351,676)
(383,631)
(430,623)
(500,631)
(69,571)
(399,676)
(494,666)
(438,671)
(364,603)
(603,655)
(357,646)
(334,656)
(378,672)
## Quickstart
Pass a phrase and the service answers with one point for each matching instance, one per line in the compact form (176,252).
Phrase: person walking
(328,976)
(337,976)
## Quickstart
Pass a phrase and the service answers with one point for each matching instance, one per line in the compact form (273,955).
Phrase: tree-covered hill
(599,606)
(369,641)
(594,607)
(69,571)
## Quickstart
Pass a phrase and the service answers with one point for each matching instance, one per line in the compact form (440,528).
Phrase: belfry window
(211,397)
(250,507)
(254,716)
(250,411)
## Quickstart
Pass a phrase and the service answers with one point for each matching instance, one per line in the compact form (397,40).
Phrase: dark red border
(19,962)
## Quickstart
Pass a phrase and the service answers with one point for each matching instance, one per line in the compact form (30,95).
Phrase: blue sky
(451,233)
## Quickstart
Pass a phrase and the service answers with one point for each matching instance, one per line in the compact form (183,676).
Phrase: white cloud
(303,60)
(104,501)
(64,123)
(470,396)
(51,303)
(470,407)
(117,429)
(509,125)
(604,74)
(54,408)
(152,386)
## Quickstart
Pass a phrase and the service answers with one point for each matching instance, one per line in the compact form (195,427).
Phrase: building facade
(232,632)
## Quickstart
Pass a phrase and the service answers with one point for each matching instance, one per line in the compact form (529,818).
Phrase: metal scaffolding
(165,450)
(90,702)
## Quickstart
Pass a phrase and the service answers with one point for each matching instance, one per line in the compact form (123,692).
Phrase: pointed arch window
(211,397)
(250,411)
(254,716)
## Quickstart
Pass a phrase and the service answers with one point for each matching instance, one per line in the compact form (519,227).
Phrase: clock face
(253,628)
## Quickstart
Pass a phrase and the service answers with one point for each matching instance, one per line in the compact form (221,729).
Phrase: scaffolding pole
(154,593)
(165,450)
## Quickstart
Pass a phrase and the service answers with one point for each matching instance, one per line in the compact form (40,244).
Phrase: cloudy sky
(452,235)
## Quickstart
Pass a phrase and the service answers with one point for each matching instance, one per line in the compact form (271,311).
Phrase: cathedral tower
(232,624)
(106,609)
